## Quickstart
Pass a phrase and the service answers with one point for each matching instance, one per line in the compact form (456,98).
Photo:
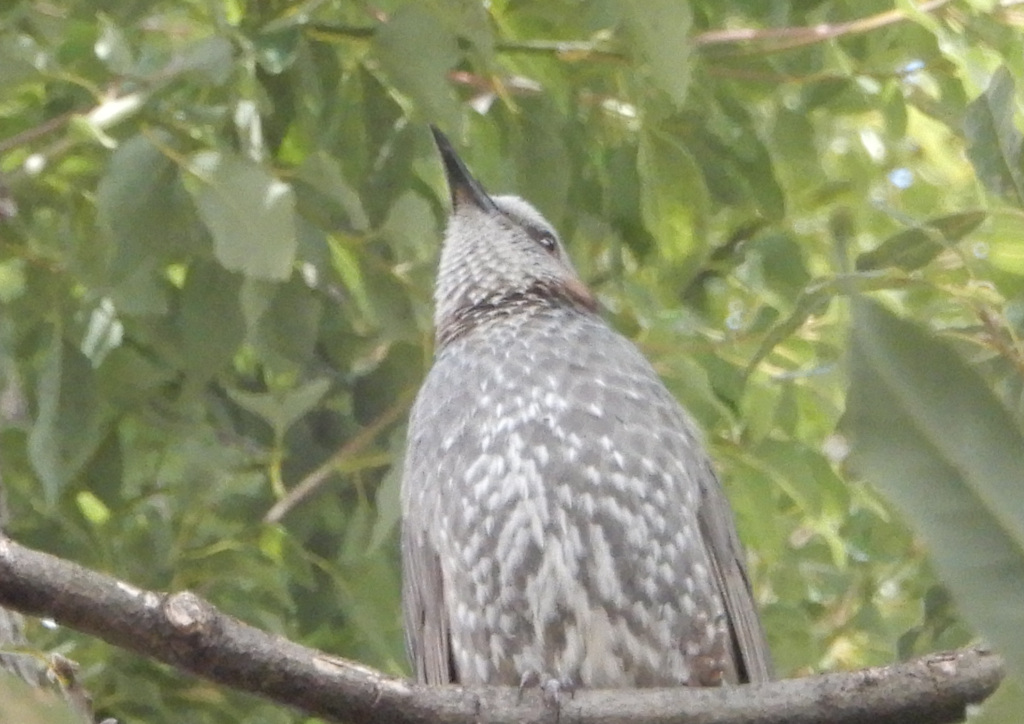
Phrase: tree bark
(185,631)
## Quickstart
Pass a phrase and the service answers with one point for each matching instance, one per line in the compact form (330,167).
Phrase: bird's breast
(566,511)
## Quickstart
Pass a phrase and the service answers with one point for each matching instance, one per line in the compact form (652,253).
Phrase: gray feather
(729,564)
(426,621)
(561,520)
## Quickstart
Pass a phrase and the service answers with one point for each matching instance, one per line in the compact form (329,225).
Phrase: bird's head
(500,257)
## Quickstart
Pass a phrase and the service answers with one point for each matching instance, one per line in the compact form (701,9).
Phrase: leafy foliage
(218,226)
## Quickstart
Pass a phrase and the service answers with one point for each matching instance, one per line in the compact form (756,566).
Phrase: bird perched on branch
(561,521)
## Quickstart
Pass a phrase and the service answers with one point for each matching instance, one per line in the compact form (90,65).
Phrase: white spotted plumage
(560,518)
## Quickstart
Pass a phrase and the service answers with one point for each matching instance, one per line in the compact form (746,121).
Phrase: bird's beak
(464,188)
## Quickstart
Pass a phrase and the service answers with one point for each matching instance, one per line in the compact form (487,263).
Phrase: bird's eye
(546,240)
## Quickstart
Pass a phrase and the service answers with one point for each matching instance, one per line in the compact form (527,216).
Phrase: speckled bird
(561,521)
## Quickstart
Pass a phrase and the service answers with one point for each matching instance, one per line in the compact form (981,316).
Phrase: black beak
(464,188)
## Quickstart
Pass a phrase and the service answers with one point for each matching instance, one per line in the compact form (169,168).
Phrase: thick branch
(187,632)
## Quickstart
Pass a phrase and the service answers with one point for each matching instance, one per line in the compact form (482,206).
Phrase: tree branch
(185,631)
(315,480)
(757,40)
(31,134)
(798,36)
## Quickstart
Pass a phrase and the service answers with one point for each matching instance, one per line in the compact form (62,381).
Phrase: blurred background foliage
(218,228)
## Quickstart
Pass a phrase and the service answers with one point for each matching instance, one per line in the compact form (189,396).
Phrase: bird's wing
(426,624)
(753,659)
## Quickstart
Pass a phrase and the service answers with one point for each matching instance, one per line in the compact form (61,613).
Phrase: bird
(561,522)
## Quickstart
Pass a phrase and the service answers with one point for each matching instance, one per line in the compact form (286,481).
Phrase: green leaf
(277,47)
(92,508)
(688,381)
(660,31)
(1003,246)
(288,328)
(814,300)
(18,58)
(416,51)
(392,168)
(112,47)
(803,474)
(544,167)
(993,141)
(324,195)
(791,138)
(142,291)
(250,213)
(782,263)
(789,628)
(281,409)
(104,333)
(376,391)
(379,296)
(210,321)
(411,227)
(673,198)
(32,704)
(738,168)
(913,248)
(387,501)
(210,58)
(1004,706)
(471,21)
(70,422)
(143,208)
(929,432)
(12,280)
(758,407)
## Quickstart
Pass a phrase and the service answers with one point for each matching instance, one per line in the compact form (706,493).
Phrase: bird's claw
(551,687)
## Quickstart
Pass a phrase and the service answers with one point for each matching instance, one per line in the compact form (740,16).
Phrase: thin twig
(569,49)
(31,134)
(795,37)
(312,482)
(777,38)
